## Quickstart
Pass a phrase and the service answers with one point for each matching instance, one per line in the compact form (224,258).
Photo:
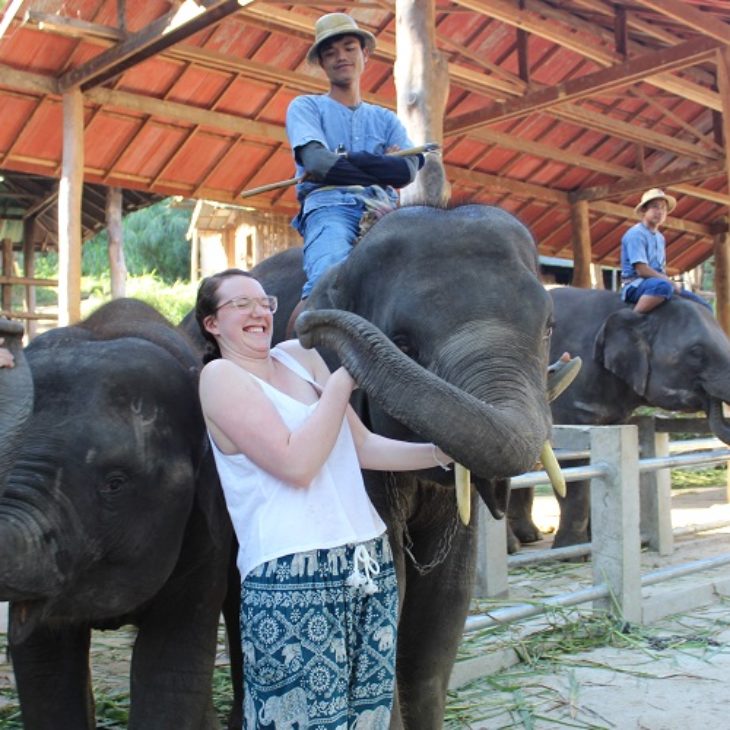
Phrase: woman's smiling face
(244,320)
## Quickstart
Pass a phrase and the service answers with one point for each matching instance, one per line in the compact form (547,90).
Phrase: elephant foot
(513,544)
(566,538)
(525,530)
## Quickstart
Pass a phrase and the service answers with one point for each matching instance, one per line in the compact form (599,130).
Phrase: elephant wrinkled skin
(110,514)
(676,357)
(441,319)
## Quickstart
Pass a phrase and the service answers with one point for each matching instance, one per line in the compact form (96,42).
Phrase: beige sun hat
(334,24)
(655,194)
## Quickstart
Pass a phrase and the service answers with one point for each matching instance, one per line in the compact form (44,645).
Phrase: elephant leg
(232,617)
(172,672)
(431,628)
(513,544)
(574,527)
(519,514)
(52,674)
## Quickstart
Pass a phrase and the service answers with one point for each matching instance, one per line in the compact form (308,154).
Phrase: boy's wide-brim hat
(655,194)
(333,24)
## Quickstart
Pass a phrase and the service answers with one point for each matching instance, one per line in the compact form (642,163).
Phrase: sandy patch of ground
(670,675)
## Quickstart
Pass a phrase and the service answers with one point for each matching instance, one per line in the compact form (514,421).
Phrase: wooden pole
(70,193)
(422,84)
(117,265)
(581,244)
(29,273)
(721,246)
(722,241)
(7,254)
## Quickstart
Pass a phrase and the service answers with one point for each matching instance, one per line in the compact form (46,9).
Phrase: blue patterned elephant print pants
(318,632)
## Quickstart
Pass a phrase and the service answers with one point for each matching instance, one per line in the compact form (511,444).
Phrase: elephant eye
(548,331)
(697,352)
(401,342)
(114,482)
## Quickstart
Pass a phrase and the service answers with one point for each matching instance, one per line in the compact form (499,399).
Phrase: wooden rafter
(692,17)
(155,38)
(623,74)
(643,182)
(530,18)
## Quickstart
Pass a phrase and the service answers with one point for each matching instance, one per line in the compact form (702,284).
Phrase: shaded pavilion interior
(560,111)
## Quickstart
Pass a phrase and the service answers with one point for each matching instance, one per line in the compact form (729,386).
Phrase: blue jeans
(658,288)
(329,234)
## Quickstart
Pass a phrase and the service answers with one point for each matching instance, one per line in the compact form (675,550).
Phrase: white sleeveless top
(273,518)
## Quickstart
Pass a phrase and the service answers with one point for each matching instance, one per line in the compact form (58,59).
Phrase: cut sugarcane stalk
(547,457)
(463,492)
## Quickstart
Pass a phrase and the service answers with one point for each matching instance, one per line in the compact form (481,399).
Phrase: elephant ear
(209,496)
(622,348)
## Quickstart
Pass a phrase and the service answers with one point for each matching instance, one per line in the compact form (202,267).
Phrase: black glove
(387,169)
(344,172)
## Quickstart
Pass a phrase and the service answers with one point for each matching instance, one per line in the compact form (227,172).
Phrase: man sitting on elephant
(644,280)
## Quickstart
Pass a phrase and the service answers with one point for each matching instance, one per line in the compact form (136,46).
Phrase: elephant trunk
(719,426)
(26,572)
(489,440)
(16,397)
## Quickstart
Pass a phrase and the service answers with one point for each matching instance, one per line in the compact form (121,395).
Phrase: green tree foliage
(154,243)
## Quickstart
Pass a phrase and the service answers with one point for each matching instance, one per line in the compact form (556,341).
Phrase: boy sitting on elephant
(644,280)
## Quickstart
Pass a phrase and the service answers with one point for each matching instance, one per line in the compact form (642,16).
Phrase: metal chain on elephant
(445,541)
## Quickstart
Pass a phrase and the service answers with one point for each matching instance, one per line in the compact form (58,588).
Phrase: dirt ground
(671,675)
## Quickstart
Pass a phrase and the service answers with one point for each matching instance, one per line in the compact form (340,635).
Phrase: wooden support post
(655,489)
(491,573)
(616,544)
(70,192)
(579,213)
(31,326)
(194,257)
(422,84)
(721,243)
(7,260)
(721,251)
(117,265)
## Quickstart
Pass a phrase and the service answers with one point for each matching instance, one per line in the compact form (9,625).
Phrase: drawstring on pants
(364,568)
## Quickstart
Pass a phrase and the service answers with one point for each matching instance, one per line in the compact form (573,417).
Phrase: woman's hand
(6,357)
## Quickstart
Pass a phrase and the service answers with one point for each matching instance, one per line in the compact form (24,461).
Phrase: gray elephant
(110,514)
(676,357)
(451,346)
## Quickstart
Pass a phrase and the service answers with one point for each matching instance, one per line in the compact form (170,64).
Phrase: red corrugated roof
(142,131)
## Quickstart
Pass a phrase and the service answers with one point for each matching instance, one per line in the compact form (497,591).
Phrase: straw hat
(334,24)
(655,194)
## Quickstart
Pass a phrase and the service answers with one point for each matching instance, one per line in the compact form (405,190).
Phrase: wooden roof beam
(690,16)
(643,182)
(530,18)
(516,187)
(632,71)
(166,31)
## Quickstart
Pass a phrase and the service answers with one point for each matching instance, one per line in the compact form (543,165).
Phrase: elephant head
(440,317)
(97,495)
(676,358)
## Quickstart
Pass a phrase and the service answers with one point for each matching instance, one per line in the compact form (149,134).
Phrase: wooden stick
(421,149)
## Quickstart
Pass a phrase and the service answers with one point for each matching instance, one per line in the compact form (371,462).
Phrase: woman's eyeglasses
(247,304)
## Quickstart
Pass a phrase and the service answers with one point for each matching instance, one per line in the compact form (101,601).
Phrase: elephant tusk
(547,457)
(462,477)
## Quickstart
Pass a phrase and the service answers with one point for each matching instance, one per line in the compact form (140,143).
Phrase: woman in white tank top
(318,593)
